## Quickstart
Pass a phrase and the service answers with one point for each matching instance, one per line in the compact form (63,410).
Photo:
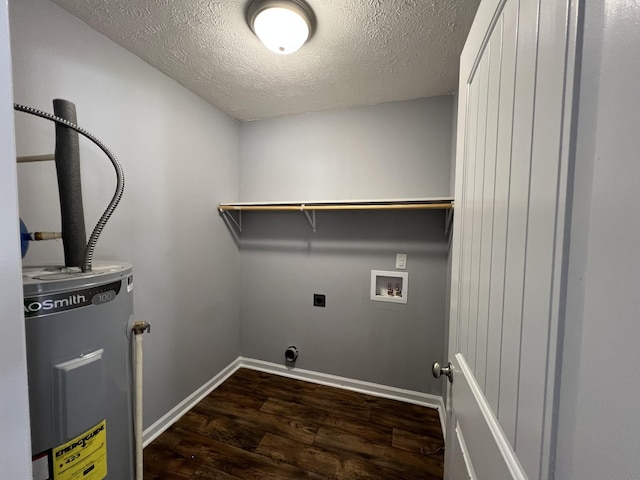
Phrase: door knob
(438,370)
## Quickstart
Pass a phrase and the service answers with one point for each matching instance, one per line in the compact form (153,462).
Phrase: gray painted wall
(598,423)
(395,150)
(180,157)
(15,443)
(391,150)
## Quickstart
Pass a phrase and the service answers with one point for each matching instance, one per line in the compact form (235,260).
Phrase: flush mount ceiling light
(282,25)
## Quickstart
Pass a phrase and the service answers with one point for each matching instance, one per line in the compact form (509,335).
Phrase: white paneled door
(512,169)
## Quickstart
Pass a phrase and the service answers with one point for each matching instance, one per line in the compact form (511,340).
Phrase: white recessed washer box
(389,286)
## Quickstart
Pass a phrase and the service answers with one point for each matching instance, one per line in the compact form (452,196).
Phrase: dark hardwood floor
(262,426)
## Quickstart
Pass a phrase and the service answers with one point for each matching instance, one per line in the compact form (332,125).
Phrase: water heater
(79,328)
(79,359)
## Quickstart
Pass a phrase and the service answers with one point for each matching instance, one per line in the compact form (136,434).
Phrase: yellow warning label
(84,457)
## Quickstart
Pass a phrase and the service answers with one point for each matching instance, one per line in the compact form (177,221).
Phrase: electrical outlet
(401,261)
(318,300)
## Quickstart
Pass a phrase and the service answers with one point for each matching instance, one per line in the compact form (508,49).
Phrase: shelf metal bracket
(310,218)
(448,222)
(238,222)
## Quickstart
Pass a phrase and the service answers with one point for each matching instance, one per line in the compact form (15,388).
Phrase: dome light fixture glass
(283,26)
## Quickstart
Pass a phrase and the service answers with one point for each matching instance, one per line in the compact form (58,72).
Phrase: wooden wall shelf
(310,208)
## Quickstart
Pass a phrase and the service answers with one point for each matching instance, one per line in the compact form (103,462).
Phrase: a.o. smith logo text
(48,304)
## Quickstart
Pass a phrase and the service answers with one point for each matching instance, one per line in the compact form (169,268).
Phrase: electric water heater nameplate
(42,305)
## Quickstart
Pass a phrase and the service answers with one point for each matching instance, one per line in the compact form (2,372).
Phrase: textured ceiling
(363,51)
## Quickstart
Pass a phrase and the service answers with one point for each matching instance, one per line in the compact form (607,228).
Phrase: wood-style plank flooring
(262,426)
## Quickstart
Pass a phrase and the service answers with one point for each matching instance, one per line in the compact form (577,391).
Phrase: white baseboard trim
(393,393)
(172,416)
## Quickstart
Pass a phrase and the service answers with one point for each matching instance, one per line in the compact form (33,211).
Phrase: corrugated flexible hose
(93,239)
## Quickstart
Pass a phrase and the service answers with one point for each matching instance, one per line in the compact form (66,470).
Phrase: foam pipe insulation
(67,157)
